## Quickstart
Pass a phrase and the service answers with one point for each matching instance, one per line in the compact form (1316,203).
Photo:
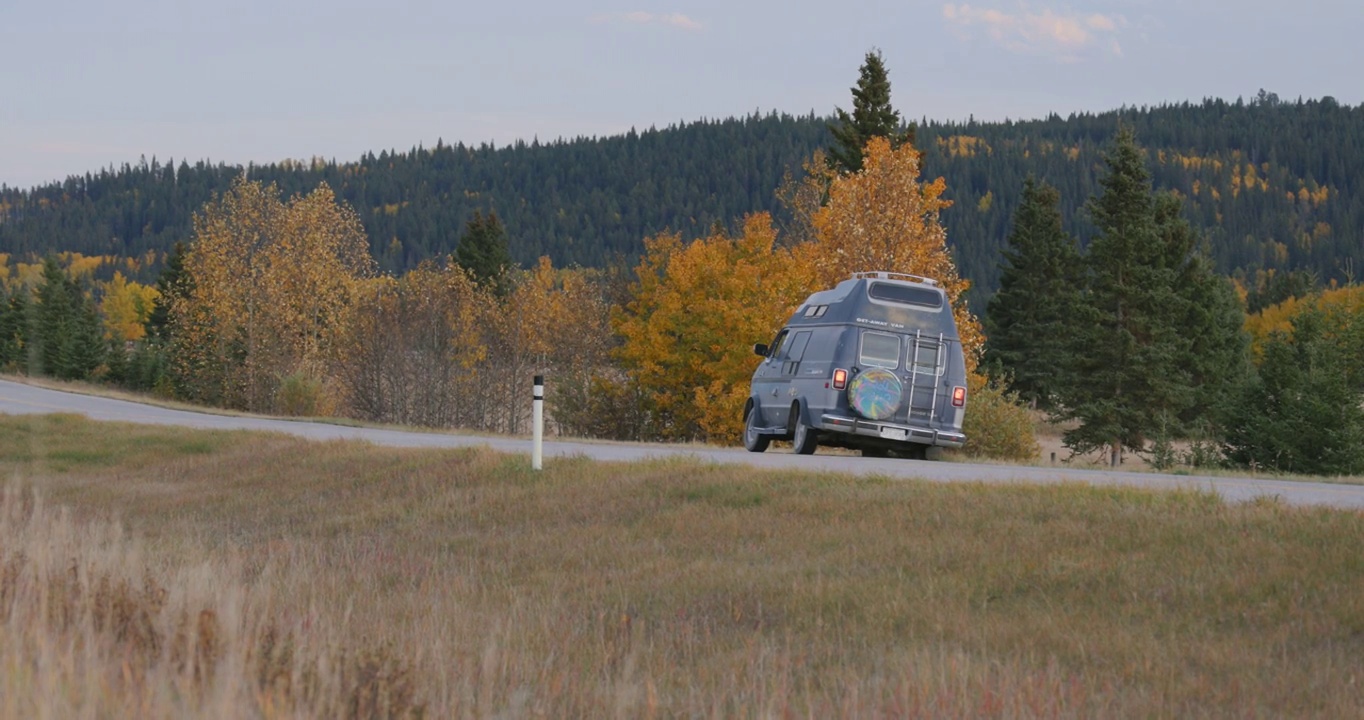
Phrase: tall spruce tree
(51,319)
(1126,376)
(67,333)
(86,350)
(1214,344)
(1299,413)
(1028,320)
(13,328)
(483,251)
(172,283)
(872,116)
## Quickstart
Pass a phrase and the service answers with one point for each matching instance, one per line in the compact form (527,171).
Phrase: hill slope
(1272,184)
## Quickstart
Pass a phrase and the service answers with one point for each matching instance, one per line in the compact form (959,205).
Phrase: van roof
(881,299)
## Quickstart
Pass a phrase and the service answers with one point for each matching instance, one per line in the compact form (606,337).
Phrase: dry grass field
(161,573)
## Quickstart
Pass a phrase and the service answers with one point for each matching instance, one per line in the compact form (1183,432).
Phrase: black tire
(754,441)
(804,439)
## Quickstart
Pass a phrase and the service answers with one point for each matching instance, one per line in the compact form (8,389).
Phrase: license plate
(894,433)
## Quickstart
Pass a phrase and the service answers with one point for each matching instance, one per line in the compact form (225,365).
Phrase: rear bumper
(891,431)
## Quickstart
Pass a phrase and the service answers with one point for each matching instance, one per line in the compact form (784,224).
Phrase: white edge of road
(22,399)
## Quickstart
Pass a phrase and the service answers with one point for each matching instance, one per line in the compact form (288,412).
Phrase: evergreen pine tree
(52,320)
(1027,321)
(172,283)
(68,335)
(1299,413)
(87,349)
(872,116)
(483,251)
(1126,379)
(13,329)
(1214,346)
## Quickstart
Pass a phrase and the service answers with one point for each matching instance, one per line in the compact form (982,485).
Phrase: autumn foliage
(273,283)
(280,310)
(410,354)
(695,311)
(885,218)
(696,308)
(126,306)
(1344,302)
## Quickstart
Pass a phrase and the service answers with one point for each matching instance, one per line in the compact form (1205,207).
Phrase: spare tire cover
(875,394)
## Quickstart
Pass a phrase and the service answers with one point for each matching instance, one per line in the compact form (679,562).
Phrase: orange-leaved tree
(884,217)
(693,315)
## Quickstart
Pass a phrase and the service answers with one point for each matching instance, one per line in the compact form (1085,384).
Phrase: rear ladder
(929,410)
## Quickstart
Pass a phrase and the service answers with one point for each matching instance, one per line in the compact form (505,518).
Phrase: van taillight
(840,379)
(958,396)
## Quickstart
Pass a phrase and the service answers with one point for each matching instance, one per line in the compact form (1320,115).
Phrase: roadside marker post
(537,423)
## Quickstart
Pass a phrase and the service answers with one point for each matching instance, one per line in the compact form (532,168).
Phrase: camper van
(875,364)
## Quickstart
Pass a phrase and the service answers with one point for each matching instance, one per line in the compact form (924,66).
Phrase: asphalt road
(20,399)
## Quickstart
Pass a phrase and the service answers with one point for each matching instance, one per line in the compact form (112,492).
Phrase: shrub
(996,424)
(299,395)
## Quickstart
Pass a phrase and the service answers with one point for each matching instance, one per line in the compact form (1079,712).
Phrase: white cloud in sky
(1063,35)
(677,20)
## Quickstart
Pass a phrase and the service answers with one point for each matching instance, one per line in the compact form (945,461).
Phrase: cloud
(677,20)
(1065,36)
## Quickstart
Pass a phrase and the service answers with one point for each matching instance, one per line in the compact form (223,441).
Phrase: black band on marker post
(538,392)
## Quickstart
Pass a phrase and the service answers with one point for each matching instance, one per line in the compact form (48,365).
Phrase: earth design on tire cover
(875,394)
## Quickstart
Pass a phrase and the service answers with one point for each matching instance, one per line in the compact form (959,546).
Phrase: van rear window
(879,350)
(905,294)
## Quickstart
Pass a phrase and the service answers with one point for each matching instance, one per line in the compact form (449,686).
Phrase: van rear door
(926,363)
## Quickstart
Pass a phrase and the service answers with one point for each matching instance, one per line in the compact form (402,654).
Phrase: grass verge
(234,574)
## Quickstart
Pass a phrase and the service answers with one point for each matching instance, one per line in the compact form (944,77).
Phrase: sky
(85,85)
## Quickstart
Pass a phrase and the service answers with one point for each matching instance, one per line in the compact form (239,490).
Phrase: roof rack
(887,275)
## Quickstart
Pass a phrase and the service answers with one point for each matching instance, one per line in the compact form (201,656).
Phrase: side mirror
(760,349)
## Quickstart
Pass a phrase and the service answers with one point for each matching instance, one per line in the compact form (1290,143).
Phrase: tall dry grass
(463,584)
(90,626)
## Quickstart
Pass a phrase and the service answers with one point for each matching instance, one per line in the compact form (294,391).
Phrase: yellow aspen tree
(694,313)
(320,254)
(885,218)
(78,265)
(270,286)
(1339,304)
(552,322)
(216,325)
(413,348)
(27,274)
(583,344)
(126,307)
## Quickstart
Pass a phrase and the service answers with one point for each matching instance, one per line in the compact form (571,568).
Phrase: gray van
(874,364)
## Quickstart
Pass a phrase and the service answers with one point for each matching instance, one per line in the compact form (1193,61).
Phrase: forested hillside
(1271,184)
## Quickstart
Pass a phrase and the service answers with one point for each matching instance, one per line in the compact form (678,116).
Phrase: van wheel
(915,451)
(754,441)
(804,439)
